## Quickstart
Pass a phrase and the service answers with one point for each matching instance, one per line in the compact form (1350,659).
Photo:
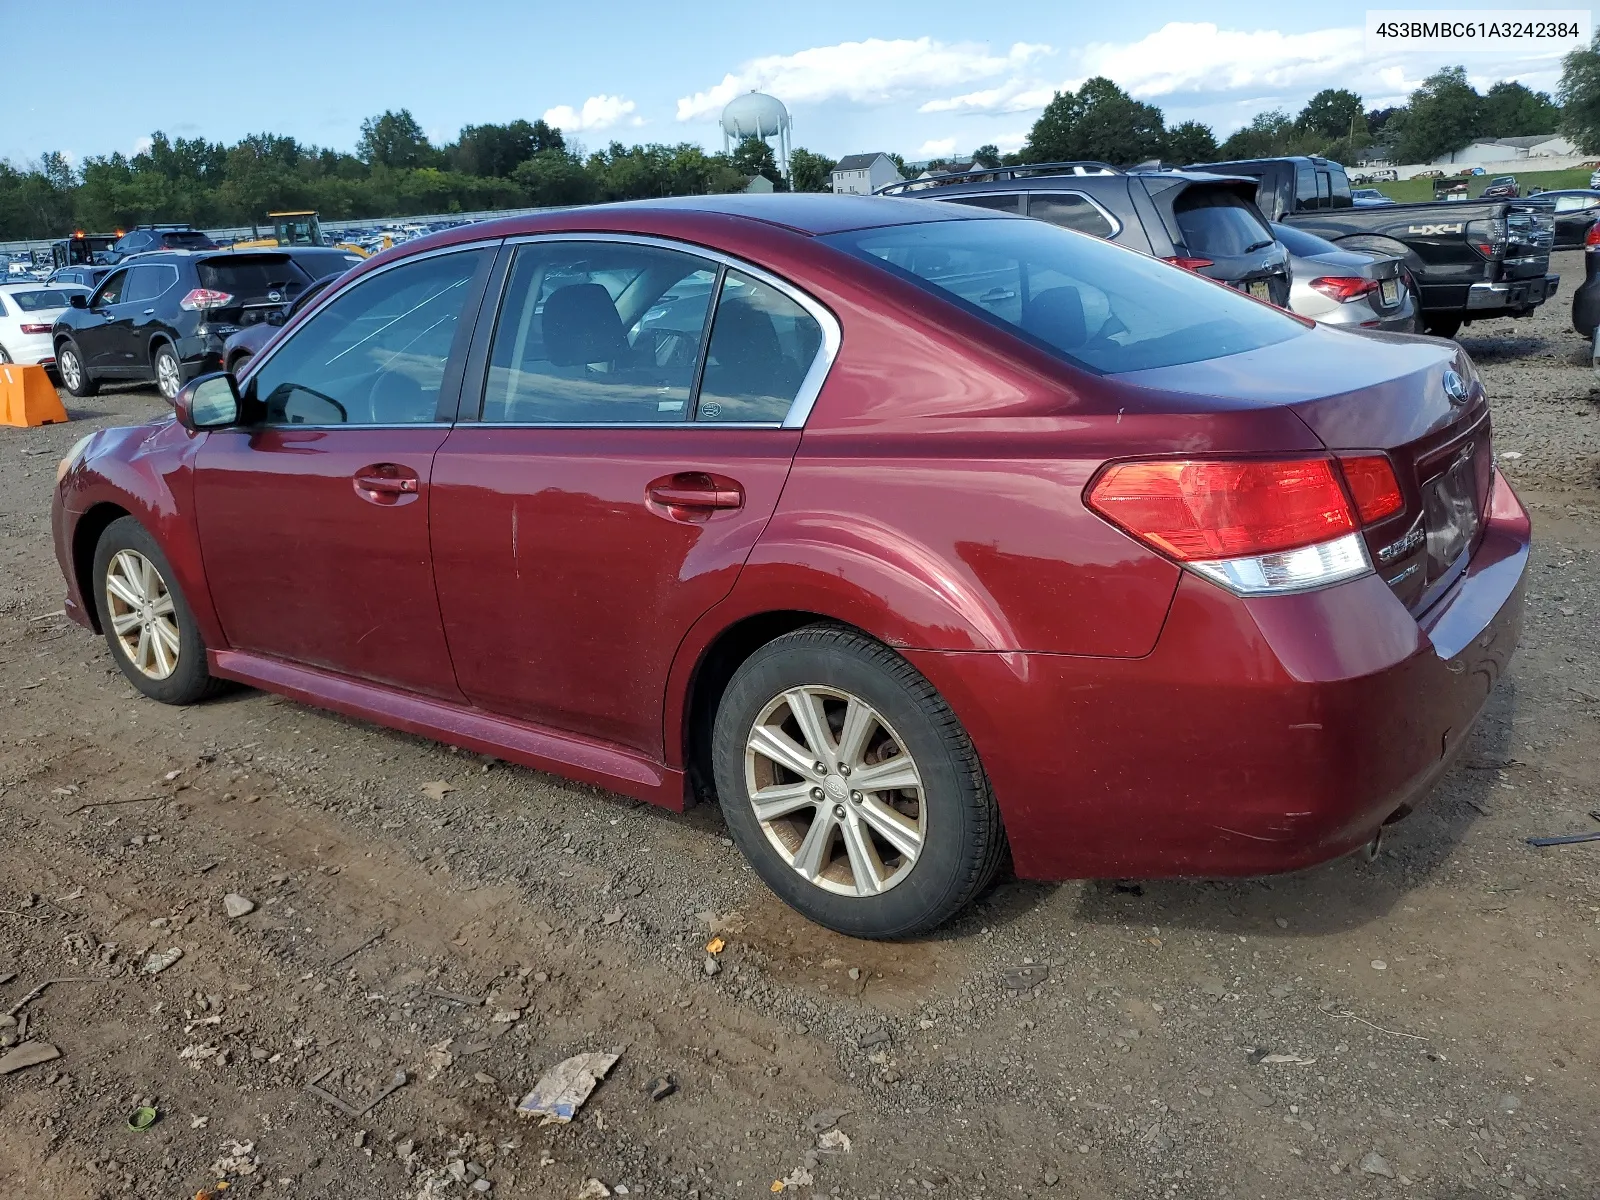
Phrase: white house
(1491,151)
(863,174)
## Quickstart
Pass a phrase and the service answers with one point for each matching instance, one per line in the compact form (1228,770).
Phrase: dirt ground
(1424,1025)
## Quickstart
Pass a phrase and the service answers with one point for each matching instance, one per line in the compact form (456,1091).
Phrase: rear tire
(887,862)
(146,619)
(169,375)
(74,374)
(1441,327)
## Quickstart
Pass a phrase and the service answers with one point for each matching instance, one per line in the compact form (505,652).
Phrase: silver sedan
(1347,287)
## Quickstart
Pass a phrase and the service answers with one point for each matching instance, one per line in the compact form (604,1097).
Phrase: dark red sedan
(911,531)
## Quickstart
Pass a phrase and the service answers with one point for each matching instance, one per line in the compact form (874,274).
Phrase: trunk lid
(1392,393)
(259,284)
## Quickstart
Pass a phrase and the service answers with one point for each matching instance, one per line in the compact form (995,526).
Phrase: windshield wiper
(1258,246)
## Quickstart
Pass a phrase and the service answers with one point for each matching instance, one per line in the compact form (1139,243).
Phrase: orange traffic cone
(27,397)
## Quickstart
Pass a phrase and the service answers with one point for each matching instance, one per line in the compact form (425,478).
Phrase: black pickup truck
(1471,259)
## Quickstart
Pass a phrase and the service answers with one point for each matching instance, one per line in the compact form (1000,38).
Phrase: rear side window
(148,282)
(999,201)
(762,345)
(1095,304)
(1341,188)
(1070,210)
(1218,222)
(250,280)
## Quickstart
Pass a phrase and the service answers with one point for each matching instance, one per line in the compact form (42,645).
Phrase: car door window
(110,291)
(1324,190)
(375,355)
(762,346)
(598,333)
(1070,210)
(1566,204)
(1305,187)
(146,283)
(999,201)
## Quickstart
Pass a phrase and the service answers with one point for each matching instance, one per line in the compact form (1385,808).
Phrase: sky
(925,78)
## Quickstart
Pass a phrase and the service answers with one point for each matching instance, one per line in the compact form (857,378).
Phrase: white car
(1594,181)
(27,311)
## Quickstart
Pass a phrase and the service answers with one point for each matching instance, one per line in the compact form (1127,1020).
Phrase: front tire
(147,622)
(851,787)
(74,375)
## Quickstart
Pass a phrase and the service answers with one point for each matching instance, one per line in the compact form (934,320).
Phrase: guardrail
(328,227)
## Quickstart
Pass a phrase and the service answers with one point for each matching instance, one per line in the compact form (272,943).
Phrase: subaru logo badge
(275,297)
(1455,387)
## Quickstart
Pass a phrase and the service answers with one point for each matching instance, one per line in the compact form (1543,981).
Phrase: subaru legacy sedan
(915,534)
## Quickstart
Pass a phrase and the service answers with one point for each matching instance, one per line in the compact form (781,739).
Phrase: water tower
(758,115)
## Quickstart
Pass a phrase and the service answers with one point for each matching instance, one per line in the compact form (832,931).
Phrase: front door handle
(694,495)
(386,483)
(148,311)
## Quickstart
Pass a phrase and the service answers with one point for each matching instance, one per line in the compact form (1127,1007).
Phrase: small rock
(712,966)
(482,1186)
(1375,1164)
(1021,979)
(1281,923)
(1509,1103)
(878,1037)
(661,1087)
(236,905)
(1379,965)
(1051,1179)
(1212,986)
(359,1138)
(612,917)
(404,1149)
(159,960)
(1260,1096)
(593,1189)
(1278,991)
(825,1119)
(29,1054)
(855,972)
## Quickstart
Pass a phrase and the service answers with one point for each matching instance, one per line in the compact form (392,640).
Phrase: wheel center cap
(836,787)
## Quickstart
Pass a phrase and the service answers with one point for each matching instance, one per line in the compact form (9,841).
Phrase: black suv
(1207,223)
(166,315)
(142,238)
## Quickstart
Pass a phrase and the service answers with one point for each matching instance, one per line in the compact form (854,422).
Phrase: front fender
(146,471)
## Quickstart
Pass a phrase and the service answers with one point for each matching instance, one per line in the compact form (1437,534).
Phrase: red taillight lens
(1189,264)
(1344,288)
(201,299)
(1209,509)
(1592,238)
(34,328)
(1373,486)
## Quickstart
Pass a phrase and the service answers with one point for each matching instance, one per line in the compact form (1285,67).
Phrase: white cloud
(140,145)
(874,71)
(937,148)
(598,112)
(1198,62)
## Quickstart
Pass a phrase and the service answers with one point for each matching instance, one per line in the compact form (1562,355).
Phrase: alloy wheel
(835,791)
(71,370)
(142,615)
(167,375)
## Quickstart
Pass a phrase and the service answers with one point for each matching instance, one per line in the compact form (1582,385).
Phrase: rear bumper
(1258,736)
(1586,306)
(1519,296)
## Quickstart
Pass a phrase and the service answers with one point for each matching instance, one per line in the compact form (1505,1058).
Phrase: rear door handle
(694,495)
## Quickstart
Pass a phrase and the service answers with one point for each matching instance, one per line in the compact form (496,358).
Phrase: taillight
(1373,486)
(34,328)
(1255,527)
(201,299)
(1488,238)
(1189,264)
(1592,238)
(1344,288)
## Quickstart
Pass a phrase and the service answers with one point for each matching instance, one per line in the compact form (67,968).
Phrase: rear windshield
(1218,222)
(1098,305)
(1298,241)
(188,238)
(43,300)
(249,279)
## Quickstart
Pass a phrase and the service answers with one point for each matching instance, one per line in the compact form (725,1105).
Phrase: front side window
(1070,210)
(598,333)
(762,346)
(111,290)
(375,355)
(1093,303)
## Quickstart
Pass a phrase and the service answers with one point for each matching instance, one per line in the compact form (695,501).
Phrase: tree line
(396,171)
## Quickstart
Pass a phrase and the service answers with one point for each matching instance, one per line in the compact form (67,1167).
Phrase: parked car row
(911,533)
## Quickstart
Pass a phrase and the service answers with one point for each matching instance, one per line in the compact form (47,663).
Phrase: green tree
(1579,93)
(1190,142)
(986,155)
(810,172)
(1268,135)
(1444,115)
(394,139)
(753,156)
(1101,122)
(1512,110)
(1332,113)
(496,151)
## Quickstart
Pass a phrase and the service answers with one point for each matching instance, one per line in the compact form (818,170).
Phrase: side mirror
(209,402)
(275,317)
(78,300)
